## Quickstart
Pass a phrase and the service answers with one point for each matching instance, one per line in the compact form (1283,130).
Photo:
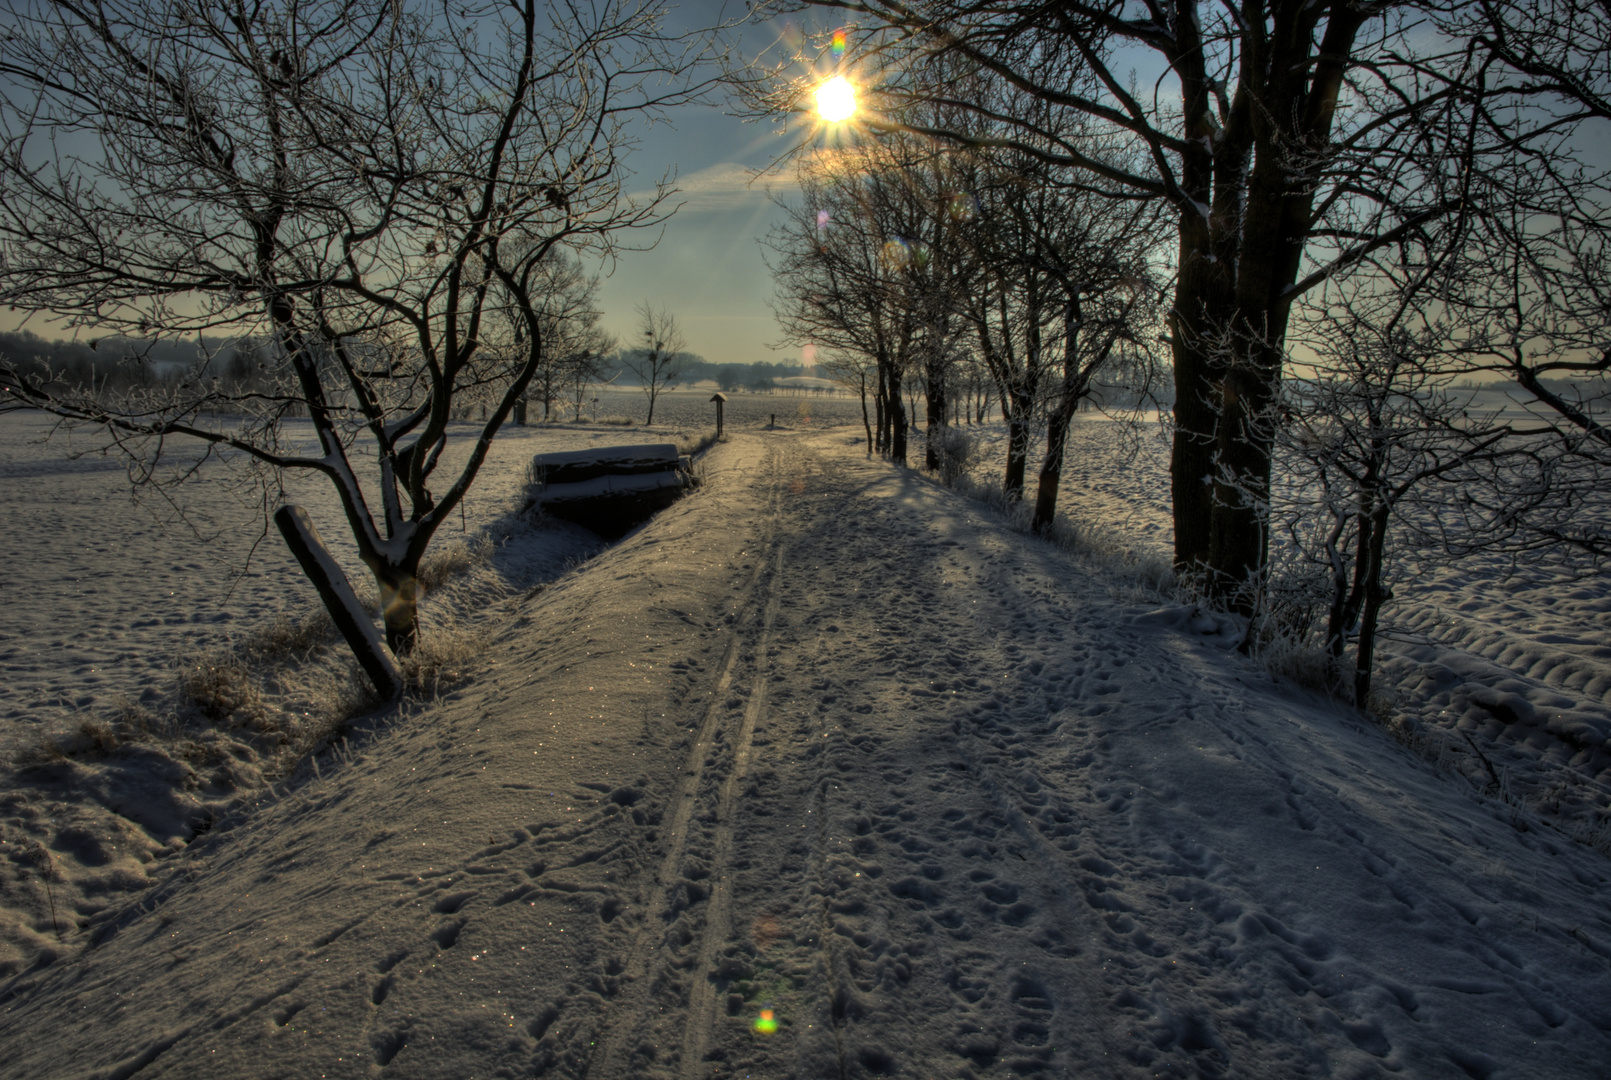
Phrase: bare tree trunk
(1012,483)
(1051,470)
(881,416)
(1365,656)
(399,607)
(1238,534)
(936,417)
(1203,294)
(1341,614)
(865,423)
(339,600)
(897,416)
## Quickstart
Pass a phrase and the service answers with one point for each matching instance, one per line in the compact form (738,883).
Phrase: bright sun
(836,100)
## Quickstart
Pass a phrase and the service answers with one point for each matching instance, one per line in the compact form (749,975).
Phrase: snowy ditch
(610,490)
(165,661)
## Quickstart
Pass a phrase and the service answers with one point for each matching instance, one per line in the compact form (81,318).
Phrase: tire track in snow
(830,963)
(718,917)
(645,972)
(763,940)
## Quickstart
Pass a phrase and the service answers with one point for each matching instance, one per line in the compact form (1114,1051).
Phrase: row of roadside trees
(916,264)
(1308,222)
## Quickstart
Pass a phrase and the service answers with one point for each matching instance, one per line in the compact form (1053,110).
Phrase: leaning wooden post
(719,399)
(339,600)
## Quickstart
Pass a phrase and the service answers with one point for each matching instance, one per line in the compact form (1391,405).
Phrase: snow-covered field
(825,743)
(102,595)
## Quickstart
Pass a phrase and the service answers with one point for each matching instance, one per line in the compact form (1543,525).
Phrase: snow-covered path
(824,739)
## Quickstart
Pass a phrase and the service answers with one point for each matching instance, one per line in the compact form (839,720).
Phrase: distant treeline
(119,363)
(760,375)
(111,364)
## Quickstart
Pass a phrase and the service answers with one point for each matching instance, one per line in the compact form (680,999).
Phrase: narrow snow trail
(826,741)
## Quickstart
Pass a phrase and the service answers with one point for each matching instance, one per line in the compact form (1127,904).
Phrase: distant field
(685,407)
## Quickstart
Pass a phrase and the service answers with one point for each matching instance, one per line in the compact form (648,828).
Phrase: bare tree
(586,370)
(1521,297)
(1538,304)
(658,360)
(1011,308)
(575,343)
(976,388)
(821,262)
(909,241)
(1386,465)
(855,370)
(1064,290)
(375,188)
(867,265)
(1390,464)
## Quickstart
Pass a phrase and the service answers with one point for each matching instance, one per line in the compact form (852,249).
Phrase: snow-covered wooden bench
(610,489)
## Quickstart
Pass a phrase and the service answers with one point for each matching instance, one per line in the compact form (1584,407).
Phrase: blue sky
(706,268)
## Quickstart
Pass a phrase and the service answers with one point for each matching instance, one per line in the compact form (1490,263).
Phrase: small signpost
(720,399)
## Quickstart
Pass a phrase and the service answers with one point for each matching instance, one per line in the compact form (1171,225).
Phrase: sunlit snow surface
(107,600)
(102,593)
(827,740)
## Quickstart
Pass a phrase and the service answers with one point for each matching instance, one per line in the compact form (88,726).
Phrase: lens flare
(836,100)
(823,217)
(896,254)
(766,1023)
(838,46)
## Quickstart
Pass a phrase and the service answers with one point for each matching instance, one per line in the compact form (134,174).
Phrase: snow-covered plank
(602,486)
(574,466)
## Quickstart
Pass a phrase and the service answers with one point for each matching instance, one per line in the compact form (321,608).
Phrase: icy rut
(825,741)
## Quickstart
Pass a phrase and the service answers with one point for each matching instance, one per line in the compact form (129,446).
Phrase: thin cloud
(724,186)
